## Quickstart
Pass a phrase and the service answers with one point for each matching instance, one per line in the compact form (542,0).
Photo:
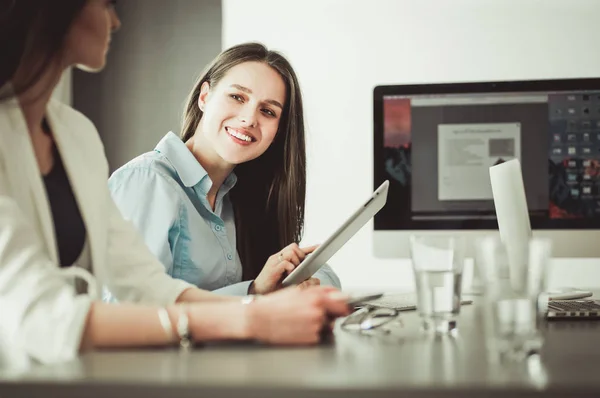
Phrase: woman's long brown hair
(32,36)
(268,199)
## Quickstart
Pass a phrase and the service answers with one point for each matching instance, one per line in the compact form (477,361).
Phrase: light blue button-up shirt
(163,193)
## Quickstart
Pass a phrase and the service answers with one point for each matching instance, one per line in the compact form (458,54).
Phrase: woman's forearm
(123,325)
(132,325)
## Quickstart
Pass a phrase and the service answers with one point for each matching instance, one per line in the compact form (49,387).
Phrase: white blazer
(40,312)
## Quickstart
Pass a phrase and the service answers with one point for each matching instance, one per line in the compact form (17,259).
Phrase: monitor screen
(436,142)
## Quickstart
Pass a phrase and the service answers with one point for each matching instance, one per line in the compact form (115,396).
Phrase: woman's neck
(215,167)
(35,100)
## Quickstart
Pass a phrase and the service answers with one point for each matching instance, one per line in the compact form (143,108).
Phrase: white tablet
(356,221)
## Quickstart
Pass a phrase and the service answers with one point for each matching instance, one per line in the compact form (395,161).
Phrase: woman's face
(89,38)
(241,113)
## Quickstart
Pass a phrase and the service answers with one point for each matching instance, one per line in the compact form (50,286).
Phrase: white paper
(467,151)
(510,203)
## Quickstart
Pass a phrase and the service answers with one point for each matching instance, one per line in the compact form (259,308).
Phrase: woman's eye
(236,97)
(269,112)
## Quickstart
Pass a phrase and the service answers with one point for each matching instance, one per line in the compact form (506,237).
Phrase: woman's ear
(203,97)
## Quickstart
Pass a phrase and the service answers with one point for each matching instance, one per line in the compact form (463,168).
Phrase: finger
(309,249)
(310,282)
(293,257)
(273,260)
(296,250)
(285,266)
(337,309)
(322,291)
(303,285)
(292,246)
(330,290)
(336,304)
(290,253)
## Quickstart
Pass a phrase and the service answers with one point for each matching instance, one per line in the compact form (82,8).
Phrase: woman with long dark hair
(62,238)
(225,203)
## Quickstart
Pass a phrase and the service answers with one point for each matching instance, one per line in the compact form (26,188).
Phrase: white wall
(341,49)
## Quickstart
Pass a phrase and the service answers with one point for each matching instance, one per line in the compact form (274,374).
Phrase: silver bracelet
(183,328)
(165,322)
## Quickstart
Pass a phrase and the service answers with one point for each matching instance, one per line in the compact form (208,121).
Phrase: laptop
(351,226)
(573,309)
(513,223)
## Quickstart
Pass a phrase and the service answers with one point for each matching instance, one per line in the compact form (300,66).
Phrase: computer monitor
(436,142)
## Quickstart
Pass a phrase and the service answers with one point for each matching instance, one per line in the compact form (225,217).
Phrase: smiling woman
(240,119)
(227,206)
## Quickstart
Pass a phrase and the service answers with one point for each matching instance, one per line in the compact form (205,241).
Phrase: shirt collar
(189,170)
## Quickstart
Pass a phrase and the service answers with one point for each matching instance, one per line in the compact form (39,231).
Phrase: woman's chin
(92,67)
(236,154)
(236,158)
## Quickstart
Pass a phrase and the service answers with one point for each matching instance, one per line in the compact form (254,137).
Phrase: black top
(68,223)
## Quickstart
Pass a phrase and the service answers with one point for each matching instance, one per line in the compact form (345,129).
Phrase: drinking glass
(515,277)
(438,265)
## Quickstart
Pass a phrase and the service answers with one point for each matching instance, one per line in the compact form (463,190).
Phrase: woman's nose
(248,117)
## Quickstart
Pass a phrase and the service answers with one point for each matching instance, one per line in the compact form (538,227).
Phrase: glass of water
(438,264)
(514,276)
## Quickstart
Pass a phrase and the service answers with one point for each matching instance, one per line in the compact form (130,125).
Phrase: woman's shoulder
(151,165)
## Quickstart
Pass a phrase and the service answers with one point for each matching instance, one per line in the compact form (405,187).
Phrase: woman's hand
(309,282)
(295,316)
(277,266)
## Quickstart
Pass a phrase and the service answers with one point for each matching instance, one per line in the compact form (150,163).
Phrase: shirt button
(229,256)
(217,228)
